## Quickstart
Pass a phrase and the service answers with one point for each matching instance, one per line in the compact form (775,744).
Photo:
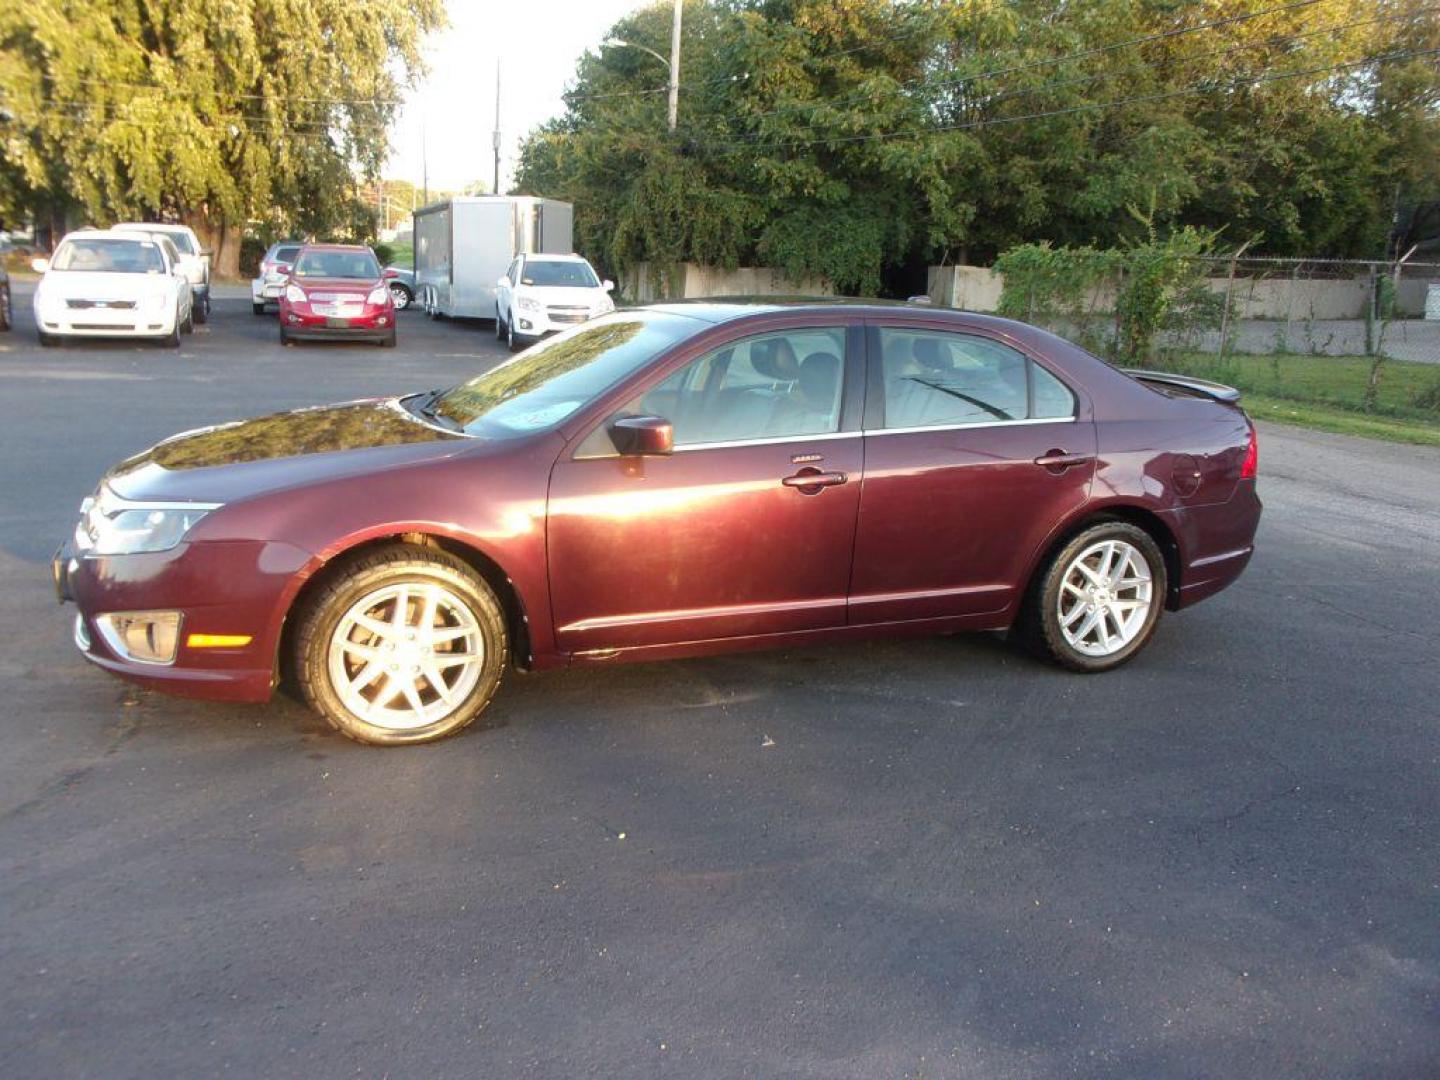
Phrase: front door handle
(810,480)
(1058,461)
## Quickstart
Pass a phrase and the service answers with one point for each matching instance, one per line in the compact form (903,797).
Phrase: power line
(1050,61)
(1174,61)
(1136,99)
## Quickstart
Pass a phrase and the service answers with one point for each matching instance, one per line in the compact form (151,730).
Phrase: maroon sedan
(336,293)
(679,480)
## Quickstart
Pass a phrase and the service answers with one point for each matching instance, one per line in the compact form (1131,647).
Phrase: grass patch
(1327,392)
(403,255)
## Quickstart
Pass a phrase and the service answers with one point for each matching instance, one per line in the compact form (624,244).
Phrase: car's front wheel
(5,316)
(1100,598)
(258,309)
(404,645)
(400,296)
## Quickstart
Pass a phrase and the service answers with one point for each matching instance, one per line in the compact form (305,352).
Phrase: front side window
(110,257)
(771,386)
(549,381)
(182,242)
(938,379)
(356,265)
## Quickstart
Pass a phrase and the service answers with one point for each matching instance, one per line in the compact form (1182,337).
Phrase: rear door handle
(811,480)
(1059,460)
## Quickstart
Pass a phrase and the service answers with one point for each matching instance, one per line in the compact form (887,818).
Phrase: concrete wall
(977,288)
(694,280)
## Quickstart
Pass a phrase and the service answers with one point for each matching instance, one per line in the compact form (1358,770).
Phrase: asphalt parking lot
(1220,861)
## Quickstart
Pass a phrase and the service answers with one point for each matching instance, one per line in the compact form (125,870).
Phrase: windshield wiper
(423,406)
(999,414)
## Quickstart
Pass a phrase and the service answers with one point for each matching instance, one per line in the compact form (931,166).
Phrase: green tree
(267,111)
(859,139)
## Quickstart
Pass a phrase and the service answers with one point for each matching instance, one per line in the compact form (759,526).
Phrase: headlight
(111,526)
(155,302)
(379,296)
(526,303)
(295,294)
(604,305)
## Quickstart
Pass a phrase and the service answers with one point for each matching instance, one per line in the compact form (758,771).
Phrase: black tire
(6,319)
(512,342)
(188,326)
(200,310)
(499,327)
(322,611)
(258,309)
(47,341)
(388,341)
(172,339)
(1039,627)
(285,339)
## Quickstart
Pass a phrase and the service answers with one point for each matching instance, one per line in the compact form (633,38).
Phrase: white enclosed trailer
(464,245)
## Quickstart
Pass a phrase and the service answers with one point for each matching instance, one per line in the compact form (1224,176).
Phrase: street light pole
(675,64)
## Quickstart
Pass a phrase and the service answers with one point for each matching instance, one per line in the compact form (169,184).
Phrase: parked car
(113,283)
(274,271)
(194,260)
(543,294)
(679,480)
(335,293)
(402,285)
(6,319)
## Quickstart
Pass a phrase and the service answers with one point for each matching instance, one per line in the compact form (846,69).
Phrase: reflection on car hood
(230,461)
(344,285)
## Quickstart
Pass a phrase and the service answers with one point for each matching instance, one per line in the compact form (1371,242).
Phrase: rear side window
(938,379)
(285,254)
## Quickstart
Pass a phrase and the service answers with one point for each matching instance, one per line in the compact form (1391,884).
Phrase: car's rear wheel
(1100,598)
(201,310)
(405,645)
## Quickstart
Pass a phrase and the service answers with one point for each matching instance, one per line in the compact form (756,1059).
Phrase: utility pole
(495,139)
(424,166)
(675,64)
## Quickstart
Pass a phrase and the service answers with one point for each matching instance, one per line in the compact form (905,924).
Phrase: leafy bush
(385,253)
(1159,285)
(252,250)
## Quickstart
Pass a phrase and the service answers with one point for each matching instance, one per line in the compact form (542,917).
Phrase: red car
(678,480)
(336,293)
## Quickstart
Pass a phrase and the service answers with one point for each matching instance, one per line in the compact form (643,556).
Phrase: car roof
(131,236)
(336,247)
(539,256)
(149,226)
(722,309)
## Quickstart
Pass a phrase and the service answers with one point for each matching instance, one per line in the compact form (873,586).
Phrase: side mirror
(39,265)
(608,285)
(643,435)
(504,282)
(207,253)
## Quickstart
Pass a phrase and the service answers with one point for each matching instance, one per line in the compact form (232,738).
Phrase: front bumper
(219,587)
(105,322)
(266,290)
(536,324)
(374,325)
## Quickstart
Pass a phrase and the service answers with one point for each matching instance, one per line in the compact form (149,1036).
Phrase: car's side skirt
(996,620)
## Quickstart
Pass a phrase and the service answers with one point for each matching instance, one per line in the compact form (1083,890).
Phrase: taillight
(1251,465)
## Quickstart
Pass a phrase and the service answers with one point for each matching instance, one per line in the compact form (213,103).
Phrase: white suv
(541,294)
(194,260)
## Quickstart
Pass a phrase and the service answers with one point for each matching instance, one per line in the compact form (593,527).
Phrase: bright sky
(538,43)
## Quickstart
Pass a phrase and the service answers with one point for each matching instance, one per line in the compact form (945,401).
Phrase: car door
(746,528)
(973,452)
(503,293)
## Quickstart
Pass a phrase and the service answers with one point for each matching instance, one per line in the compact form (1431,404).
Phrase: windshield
(549,381)
(359,265)
(575,275)
(109,257)
(181,241)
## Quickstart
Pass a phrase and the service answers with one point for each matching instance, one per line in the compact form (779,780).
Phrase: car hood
(88,285)
(269,453)
(563,296)
(355,286)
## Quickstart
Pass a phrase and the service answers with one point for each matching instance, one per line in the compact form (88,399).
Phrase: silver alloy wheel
(406,656)
(1105,598)
(400,297)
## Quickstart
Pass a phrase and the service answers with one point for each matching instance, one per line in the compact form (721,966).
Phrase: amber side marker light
(217,641)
